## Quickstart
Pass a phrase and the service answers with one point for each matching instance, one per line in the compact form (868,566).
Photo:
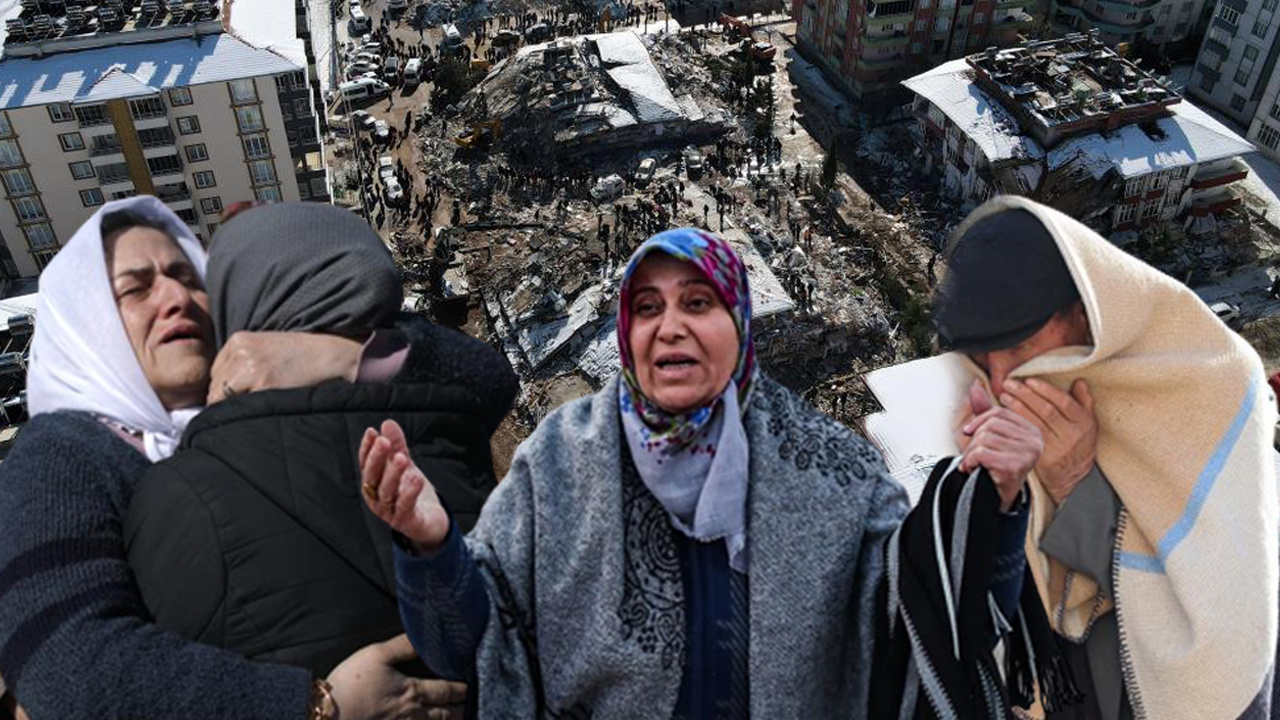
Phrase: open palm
(397,491)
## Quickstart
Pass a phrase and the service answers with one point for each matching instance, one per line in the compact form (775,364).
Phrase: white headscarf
(81,358)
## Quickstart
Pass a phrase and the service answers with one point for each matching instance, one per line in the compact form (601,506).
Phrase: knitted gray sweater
(74,641)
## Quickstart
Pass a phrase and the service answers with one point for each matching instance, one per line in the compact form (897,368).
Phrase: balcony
(177,196)
(882,40)
(105,154)
(114,184)
(151,122)
(1215,200)
(891,9)
(1217,177)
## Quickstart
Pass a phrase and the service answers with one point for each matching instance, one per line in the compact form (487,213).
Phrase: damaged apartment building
(1071,123)
(588,93)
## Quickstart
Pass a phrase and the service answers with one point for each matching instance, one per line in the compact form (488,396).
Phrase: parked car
(1226,312)
(364,121)
(359,68)
(381,131)
(397,5)
(392,189)
(413,71)
(391,69)
(537,33)
(386,167)
(692,161)
(608,188)
(644,172)
(506,37)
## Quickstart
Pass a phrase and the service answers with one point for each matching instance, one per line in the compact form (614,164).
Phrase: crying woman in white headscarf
(124,356)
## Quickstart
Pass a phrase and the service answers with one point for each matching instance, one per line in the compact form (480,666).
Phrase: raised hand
(1069,426)
(1003,442)
(397,491)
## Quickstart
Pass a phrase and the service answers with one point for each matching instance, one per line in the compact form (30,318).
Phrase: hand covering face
(81,358)
(696,462)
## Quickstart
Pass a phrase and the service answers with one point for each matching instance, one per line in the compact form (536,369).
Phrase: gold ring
(370,491)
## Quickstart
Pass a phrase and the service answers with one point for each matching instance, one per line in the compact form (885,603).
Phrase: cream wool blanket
(1185,428)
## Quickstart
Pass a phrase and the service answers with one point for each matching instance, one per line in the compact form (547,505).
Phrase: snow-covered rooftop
(1190,136)
(627,61)
(269,24)
(1187,136)
(950,86)
(123,70)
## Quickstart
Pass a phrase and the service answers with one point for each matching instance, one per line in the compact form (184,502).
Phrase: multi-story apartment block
(1072,124)
(1161,22)
(1237,58)
(867,47)
(157,100)
(1264,129)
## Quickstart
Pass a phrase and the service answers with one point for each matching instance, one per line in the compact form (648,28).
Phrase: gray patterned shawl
(587,616)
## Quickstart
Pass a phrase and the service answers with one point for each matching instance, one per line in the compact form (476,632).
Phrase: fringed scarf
(695,463)
(935,615)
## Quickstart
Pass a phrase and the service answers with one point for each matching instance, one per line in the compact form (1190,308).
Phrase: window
(196,153)
(1237,102)
(124,194)
(147,108)
(1159,181)
(243,91)
(1220,36)
(18,182)
(1260,29)
(187,214)
(179,96)
(304,190)
(91,197)
(10,155)
(5,128)
(1246,65)
(292,137)
(1228,14)
(1133,186)
(942,25)
(1269,136)
(262,172)
(211,206)
(40,237)
(82,170)
(1150,208)
(302,107)
(114,173)
(155,137)
(249,119)
(60,112)
(268,194)
(979,18)
(256,146)
(189,125)
(1206,82)
(286,110)
(71,141)
(922,25)
(319,188)
(204,179)
(917,48)
(1124,213)
(166,165)
(29,209)
(92,115)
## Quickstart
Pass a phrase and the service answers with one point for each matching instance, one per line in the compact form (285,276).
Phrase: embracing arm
(74,641)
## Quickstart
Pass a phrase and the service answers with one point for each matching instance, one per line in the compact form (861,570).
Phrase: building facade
(1161,22)
(1070,123)
(1237,58)
(867,47)
(180,109)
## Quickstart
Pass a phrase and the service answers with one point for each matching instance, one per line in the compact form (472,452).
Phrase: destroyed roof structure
(589,93)
(1071,123)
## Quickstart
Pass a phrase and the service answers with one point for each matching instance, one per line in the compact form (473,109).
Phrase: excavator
(741,30)
(479,134)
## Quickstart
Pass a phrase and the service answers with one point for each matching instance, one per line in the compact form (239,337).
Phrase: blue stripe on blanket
(1199,494)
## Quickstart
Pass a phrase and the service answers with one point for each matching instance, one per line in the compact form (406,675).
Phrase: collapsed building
(589,93)
(1071,123)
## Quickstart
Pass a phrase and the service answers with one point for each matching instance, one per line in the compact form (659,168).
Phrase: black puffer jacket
(255,538)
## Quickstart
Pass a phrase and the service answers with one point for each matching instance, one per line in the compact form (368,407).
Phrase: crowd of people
(252,488)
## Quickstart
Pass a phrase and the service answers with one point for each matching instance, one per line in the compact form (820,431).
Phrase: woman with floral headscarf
(692,541)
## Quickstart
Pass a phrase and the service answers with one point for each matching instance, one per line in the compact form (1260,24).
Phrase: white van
(413,71)
(359,22)
(363,88)
(452,38)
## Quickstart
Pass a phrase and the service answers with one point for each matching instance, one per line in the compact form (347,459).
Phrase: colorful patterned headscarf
(695,463)
(720,263)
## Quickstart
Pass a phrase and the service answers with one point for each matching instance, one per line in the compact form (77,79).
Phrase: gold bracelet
(323,706)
